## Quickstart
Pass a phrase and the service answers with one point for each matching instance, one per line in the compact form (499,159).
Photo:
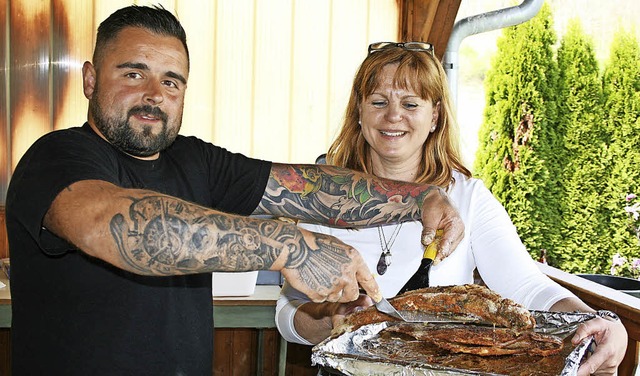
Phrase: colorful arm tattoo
(337,196)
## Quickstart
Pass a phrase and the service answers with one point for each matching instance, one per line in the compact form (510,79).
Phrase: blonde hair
(421,72)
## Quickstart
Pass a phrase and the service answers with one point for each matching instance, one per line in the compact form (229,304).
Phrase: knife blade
(384,306)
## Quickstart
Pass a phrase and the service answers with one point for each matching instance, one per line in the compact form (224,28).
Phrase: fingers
(611,343)
(362,302)
(438,212)
(339,293)
(583,331)
(428,234)
(595,365)
(452,235)
(355,276)
(344,293)
(600,362)
(344,309)
(443,252)
(335,296)
(330,270)
(369,284)
(602,330)
(350,292)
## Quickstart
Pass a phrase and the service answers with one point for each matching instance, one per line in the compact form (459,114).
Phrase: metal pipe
(481,23)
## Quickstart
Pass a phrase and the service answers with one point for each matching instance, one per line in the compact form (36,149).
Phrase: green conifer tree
(519,143)
(580,114)
(621,85)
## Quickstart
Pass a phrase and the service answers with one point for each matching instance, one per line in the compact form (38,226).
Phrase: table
(254,311)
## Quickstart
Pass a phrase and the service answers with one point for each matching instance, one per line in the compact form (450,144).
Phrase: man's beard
(120,133)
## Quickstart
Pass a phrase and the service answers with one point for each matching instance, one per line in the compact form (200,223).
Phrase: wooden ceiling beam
(428,21)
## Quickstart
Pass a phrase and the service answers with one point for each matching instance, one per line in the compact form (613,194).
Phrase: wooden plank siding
(275,88)
(269,79)
(300,58)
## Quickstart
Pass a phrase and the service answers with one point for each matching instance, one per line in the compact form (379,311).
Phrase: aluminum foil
(353,353)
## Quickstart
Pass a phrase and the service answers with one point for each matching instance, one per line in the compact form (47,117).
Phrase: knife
(418,317)
(384,306)
(421,277)
(418,280)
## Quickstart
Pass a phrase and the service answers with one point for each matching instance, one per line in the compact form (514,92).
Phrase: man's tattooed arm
(337,196)
(165,236)
(149,233)
(162,235)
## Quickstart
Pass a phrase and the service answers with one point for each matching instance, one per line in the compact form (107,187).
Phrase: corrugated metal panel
(201,35)
(273,47)
(5,130)
(29,54)
(269,78)
(71,45)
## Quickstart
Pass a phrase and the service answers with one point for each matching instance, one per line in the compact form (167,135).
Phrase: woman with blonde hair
(440,152)
(399,124)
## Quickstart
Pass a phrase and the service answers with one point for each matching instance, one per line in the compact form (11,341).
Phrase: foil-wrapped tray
(368,351)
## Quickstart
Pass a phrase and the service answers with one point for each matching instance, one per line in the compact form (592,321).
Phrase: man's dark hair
(155,19)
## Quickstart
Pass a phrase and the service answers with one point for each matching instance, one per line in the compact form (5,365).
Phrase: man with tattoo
(116,226)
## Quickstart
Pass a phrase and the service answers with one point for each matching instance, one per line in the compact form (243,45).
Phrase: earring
(359,122)
(433,128)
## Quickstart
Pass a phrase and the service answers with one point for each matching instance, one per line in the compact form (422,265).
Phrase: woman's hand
(611,344)
(439,213)
(315,321)
(343,309)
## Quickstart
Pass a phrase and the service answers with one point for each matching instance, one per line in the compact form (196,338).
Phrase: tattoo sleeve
(162,235)
(337,196)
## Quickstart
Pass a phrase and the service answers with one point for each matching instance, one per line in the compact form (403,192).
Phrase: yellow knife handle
(432,249)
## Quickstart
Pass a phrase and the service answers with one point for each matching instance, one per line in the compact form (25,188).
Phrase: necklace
(385,256)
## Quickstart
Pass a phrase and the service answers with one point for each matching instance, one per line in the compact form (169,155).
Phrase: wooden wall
(269,79)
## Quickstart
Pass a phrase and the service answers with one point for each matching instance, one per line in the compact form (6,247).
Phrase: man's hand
(438,212)
(326,269)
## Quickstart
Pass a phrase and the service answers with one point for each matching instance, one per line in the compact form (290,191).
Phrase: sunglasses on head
(409,46)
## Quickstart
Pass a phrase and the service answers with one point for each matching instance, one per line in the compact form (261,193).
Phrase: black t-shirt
(76,315)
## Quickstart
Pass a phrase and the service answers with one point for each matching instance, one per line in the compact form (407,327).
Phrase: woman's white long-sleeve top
(491,244)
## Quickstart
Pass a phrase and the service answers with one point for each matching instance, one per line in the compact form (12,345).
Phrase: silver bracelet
(607,315)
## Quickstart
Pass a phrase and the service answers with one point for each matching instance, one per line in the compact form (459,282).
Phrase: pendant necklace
(385,256)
